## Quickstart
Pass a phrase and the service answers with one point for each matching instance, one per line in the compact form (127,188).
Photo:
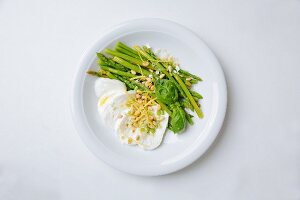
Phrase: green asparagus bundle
(139,68)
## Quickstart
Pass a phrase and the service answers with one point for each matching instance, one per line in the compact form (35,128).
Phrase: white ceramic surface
(178,151)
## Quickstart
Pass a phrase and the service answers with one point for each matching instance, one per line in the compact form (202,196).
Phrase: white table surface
(256,156)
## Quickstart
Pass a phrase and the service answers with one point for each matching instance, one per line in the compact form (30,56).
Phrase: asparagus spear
(109,62)
(110,75)
(92,73)
(101,73)
(139,60)
(132,67)
(127,83)
(128,58)
(189,118)
(196,98)
(196,94)
(125,51)
(181,71)
(119,72)
(190,97)
(149,51)
(193,81)
(186,104)
(124,46)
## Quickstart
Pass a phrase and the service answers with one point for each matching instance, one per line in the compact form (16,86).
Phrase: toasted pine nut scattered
(151,126)
(137,138)
(158,107)
(162,76)
(133,72)
(137,113)
(145,63)
(148,83)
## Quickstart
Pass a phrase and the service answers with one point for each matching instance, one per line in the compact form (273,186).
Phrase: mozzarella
(113,110)
(146,141)
(103,86)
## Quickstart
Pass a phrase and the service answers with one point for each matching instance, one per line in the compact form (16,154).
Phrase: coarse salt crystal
(157,51)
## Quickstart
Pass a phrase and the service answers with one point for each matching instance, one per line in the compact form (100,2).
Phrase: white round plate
(176,151)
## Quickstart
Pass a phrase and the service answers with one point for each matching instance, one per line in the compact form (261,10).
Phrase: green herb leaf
(178,119)
(166,91)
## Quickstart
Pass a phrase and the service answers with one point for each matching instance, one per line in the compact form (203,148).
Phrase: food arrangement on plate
(142,93)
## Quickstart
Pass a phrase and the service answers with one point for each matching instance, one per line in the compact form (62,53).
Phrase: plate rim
(81,123)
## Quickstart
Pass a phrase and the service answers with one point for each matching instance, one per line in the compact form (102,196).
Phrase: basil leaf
(178,119)
(166,91)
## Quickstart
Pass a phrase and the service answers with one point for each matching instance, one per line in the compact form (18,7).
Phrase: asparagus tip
(91,72)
